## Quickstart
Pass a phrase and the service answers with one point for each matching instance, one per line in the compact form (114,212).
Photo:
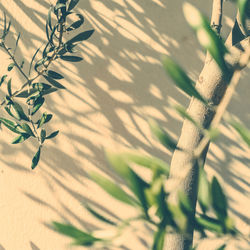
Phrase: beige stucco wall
(109,97)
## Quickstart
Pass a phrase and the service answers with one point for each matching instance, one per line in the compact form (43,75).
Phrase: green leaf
(180,218)
(27,129)
(26,93)
(36,158)
(72,4)
(14,127)
(19,111)
(150,162)
(244,10)
(11,66)
(20,138)
(67,47)
(54,74)
(52,135)
(204,196)
(185,204)
(136,184)
(54,82)
(43,135)
(181,79)
(71,58)
(219,200)
(2,79)
(40,62)
(44,119)
(76,24)
(59,6)
(222,247)
(37,104)
(242,131)
(112,189)
(209,223)
(207,37)
(162,136)
(33,58)
(9,87)
(40,86)
(98,215)
(81,37)
(48,91)
(159,238)
(181,110)
(9,109)
(49,17)
(17,40)
(82,238)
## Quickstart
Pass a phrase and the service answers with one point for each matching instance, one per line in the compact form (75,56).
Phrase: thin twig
(217,15)
(14,60)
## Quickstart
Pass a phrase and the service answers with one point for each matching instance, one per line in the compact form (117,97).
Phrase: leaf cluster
(22,105)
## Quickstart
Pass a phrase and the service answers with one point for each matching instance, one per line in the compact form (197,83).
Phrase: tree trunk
(212,84)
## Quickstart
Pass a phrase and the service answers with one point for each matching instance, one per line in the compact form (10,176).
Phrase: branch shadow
(110,96)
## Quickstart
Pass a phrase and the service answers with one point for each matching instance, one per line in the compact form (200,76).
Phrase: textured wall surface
(109,97)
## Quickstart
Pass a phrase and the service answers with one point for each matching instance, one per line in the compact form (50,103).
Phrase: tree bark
(212,84)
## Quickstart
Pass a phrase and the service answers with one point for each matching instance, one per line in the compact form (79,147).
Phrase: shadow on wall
(110,96)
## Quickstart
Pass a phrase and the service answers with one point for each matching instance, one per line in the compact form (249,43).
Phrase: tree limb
(212,84)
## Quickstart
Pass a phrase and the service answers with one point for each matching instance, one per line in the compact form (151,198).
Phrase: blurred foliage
(150,198)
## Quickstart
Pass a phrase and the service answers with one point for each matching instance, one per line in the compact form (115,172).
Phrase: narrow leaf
(54,82)
(242,131)
(17,40)
(27,129)
(43,135)
(33,58)
(207,37)
(82,238)
(222,247)
(112,189)
(181,110)
(2,79)
(11,125)
(59,6)
(36,158)
(136,184)
(71,58)
(150,162)
(52,135)
(98,215)
(244,9)
(81,37)
(19,111)
(181,79)
(219,200)
(204,196)
(26,93)
(37,105)
(162,136)
(11,66)
(44,119)
(9,87)
(20,138)
(54,74)
(209,223)
(40,86)
(76,24)
(159,237)
(72,4)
